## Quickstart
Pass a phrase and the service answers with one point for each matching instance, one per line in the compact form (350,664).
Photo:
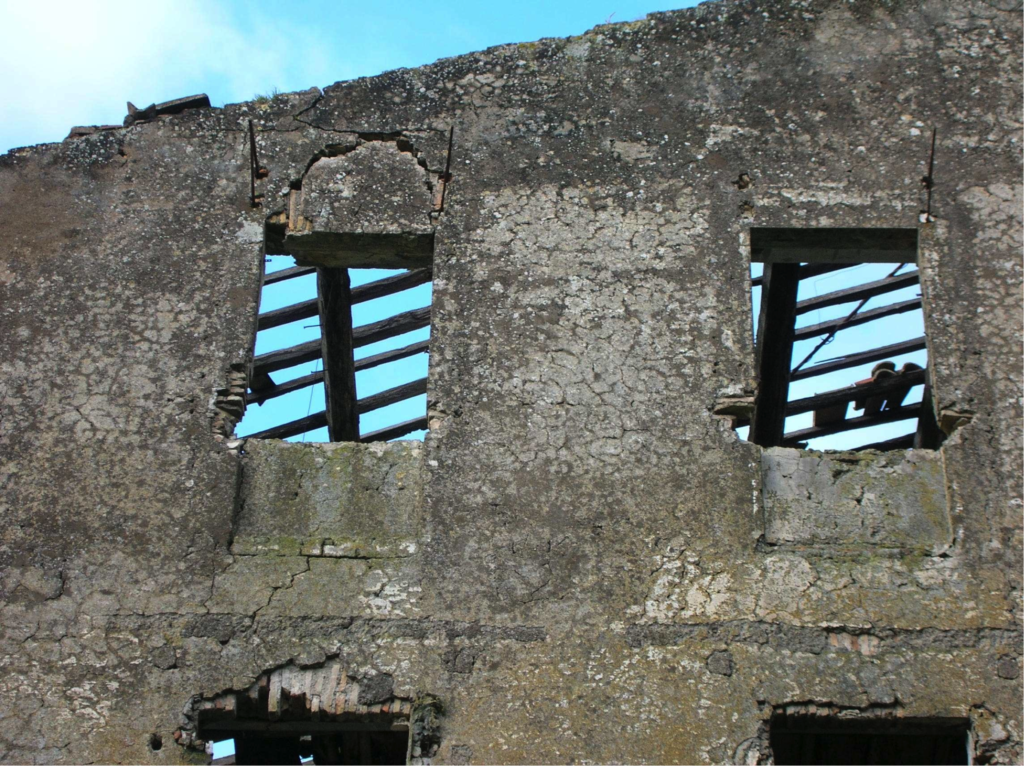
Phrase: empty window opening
(841,353)
(341,354)
(336,743)
(808,739)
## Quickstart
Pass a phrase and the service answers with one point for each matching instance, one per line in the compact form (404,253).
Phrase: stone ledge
(334,500)
(844,500)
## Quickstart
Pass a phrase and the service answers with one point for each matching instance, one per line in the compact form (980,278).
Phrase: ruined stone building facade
(582,561)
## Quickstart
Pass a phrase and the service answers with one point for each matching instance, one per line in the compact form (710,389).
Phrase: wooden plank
(823,328)
(774,352)
(390,327)
(821,245)
(339,368)
(367,292)
(854,360)
(391,285)
(392,356)
(928,435)
(297,728)
(905,412)
(259,380)
(289,273)
(858,293)
(294,428)
(286,357)
(392,395)
(292,313)
(258,397)
(396,431)
(900,442)
(850,393)
(811,270)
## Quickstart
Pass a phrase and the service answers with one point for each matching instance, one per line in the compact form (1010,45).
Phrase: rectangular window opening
(841,354)
(809,739)
(341,354)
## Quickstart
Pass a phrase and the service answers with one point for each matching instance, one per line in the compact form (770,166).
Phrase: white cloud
(77,63)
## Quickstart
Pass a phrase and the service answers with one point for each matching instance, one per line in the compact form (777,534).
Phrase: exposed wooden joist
(259,380)
(367,292)
(391,285)
(929,435)
(774,352)
(296,427)
(390,327)
(832,245)
(858,293)
(391,396)
(392,356)
(851,393)
(287,387)
(900,442)
(289,273)
(336,341)
(292,313)
(286,357)
(854,360)
(811,270)
(823,328)
(231,724)
(395,431)
(905,412)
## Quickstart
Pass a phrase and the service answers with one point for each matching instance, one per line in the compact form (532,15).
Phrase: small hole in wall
(155,742)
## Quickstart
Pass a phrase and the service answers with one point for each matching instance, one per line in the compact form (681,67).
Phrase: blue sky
(76,63)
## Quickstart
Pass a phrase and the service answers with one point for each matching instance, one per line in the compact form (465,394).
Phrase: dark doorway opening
(327,745)
(831,740)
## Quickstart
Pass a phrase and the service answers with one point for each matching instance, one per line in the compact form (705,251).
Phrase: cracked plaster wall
(573,561)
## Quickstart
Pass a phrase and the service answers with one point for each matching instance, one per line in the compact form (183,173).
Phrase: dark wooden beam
(289,273)
(293,313)
(928,435)
(391,396)
(294,428)
(811,270)
(367,292)
(288,386)
(858,293)
(854,360)
(231,724)
(900,442)
(286,357)
(391,285)
(390,327)
(774,352)
(823,328)
(396,431)
(851,393)
(392,356)
(259,380)
(336,341)
(833,245)
(258,397)
(905,412)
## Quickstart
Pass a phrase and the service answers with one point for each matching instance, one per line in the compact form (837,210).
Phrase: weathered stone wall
(582,561)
